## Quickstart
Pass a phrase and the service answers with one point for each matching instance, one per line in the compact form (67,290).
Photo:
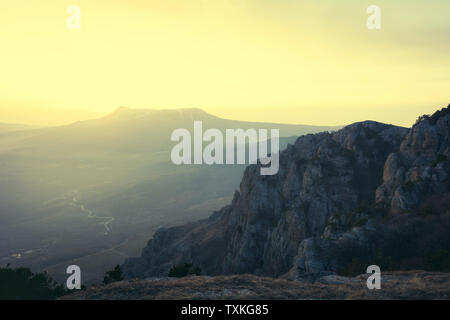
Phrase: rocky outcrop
(333,190)
(420,168)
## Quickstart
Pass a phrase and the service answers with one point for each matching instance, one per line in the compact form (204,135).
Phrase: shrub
(114,275)
(408,186)
(23,284)
(440,158)
(439,261)
(386,263)
(440,113)
(435,116)
(426,211)
(361,222)
(184,270)
(422,118)
(354,268)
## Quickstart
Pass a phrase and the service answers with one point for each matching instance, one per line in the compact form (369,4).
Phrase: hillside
(93,192)
(12,127)
(140,130)
(369,193)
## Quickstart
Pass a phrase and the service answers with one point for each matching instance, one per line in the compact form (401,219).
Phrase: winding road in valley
(75,202)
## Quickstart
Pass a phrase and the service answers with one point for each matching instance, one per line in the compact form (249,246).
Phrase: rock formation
(335,198)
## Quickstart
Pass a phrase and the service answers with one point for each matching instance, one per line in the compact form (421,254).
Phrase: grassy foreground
(394,285)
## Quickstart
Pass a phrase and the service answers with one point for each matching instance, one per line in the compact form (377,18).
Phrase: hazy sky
(292,61)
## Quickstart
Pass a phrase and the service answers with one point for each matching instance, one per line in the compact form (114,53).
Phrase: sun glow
(285,61)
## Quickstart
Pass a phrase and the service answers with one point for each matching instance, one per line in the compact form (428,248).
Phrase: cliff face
(331,189)
(420,168)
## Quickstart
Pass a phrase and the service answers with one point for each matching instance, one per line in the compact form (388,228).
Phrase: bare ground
(394,285)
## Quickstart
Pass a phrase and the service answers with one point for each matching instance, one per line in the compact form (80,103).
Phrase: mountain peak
(126,112)
(129,113)
(121,109)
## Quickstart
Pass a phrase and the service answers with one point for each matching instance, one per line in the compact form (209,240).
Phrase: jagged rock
(420,168)
(332,191)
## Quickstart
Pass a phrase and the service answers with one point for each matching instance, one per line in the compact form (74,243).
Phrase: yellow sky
(291,61)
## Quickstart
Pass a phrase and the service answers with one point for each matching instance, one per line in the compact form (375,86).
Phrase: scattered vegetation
(439,261)
(422,118)
(359,266)
(358,216)
(440,158)
(425,211)
(438,114)
(408,186)
(23,284)
(114,275)
(386,263)
(184,270)
(417,241)
(401,285)
(353,268)
(435,116)
(361,222)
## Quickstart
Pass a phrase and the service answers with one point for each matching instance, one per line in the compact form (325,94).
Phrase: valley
(94,192)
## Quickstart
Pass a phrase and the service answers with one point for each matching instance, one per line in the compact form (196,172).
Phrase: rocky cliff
(338,197)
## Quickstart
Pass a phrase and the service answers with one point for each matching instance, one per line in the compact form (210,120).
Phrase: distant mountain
(369,193)
(96,190)
(144,130)
(11,127)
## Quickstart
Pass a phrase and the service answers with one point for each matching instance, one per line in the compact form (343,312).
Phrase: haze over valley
(93,192)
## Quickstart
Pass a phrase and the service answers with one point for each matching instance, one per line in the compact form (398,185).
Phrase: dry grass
(394,285)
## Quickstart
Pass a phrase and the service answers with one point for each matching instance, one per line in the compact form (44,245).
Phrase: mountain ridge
(118,167)
(119,129)
(324,200)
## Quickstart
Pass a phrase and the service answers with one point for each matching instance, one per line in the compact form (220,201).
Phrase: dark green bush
(435,116)
(440,113)
(408,186)
(386,263)
(354,268)
(440,158)
(23,284)
(439,261)
(114,275)
(184,270)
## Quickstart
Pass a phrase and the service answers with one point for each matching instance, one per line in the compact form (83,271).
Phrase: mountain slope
(325,208)
(96,190)
(12,127)
(140,130)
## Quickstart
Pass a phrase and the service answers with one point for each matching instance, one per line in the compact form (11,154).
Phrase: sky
(288,61)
